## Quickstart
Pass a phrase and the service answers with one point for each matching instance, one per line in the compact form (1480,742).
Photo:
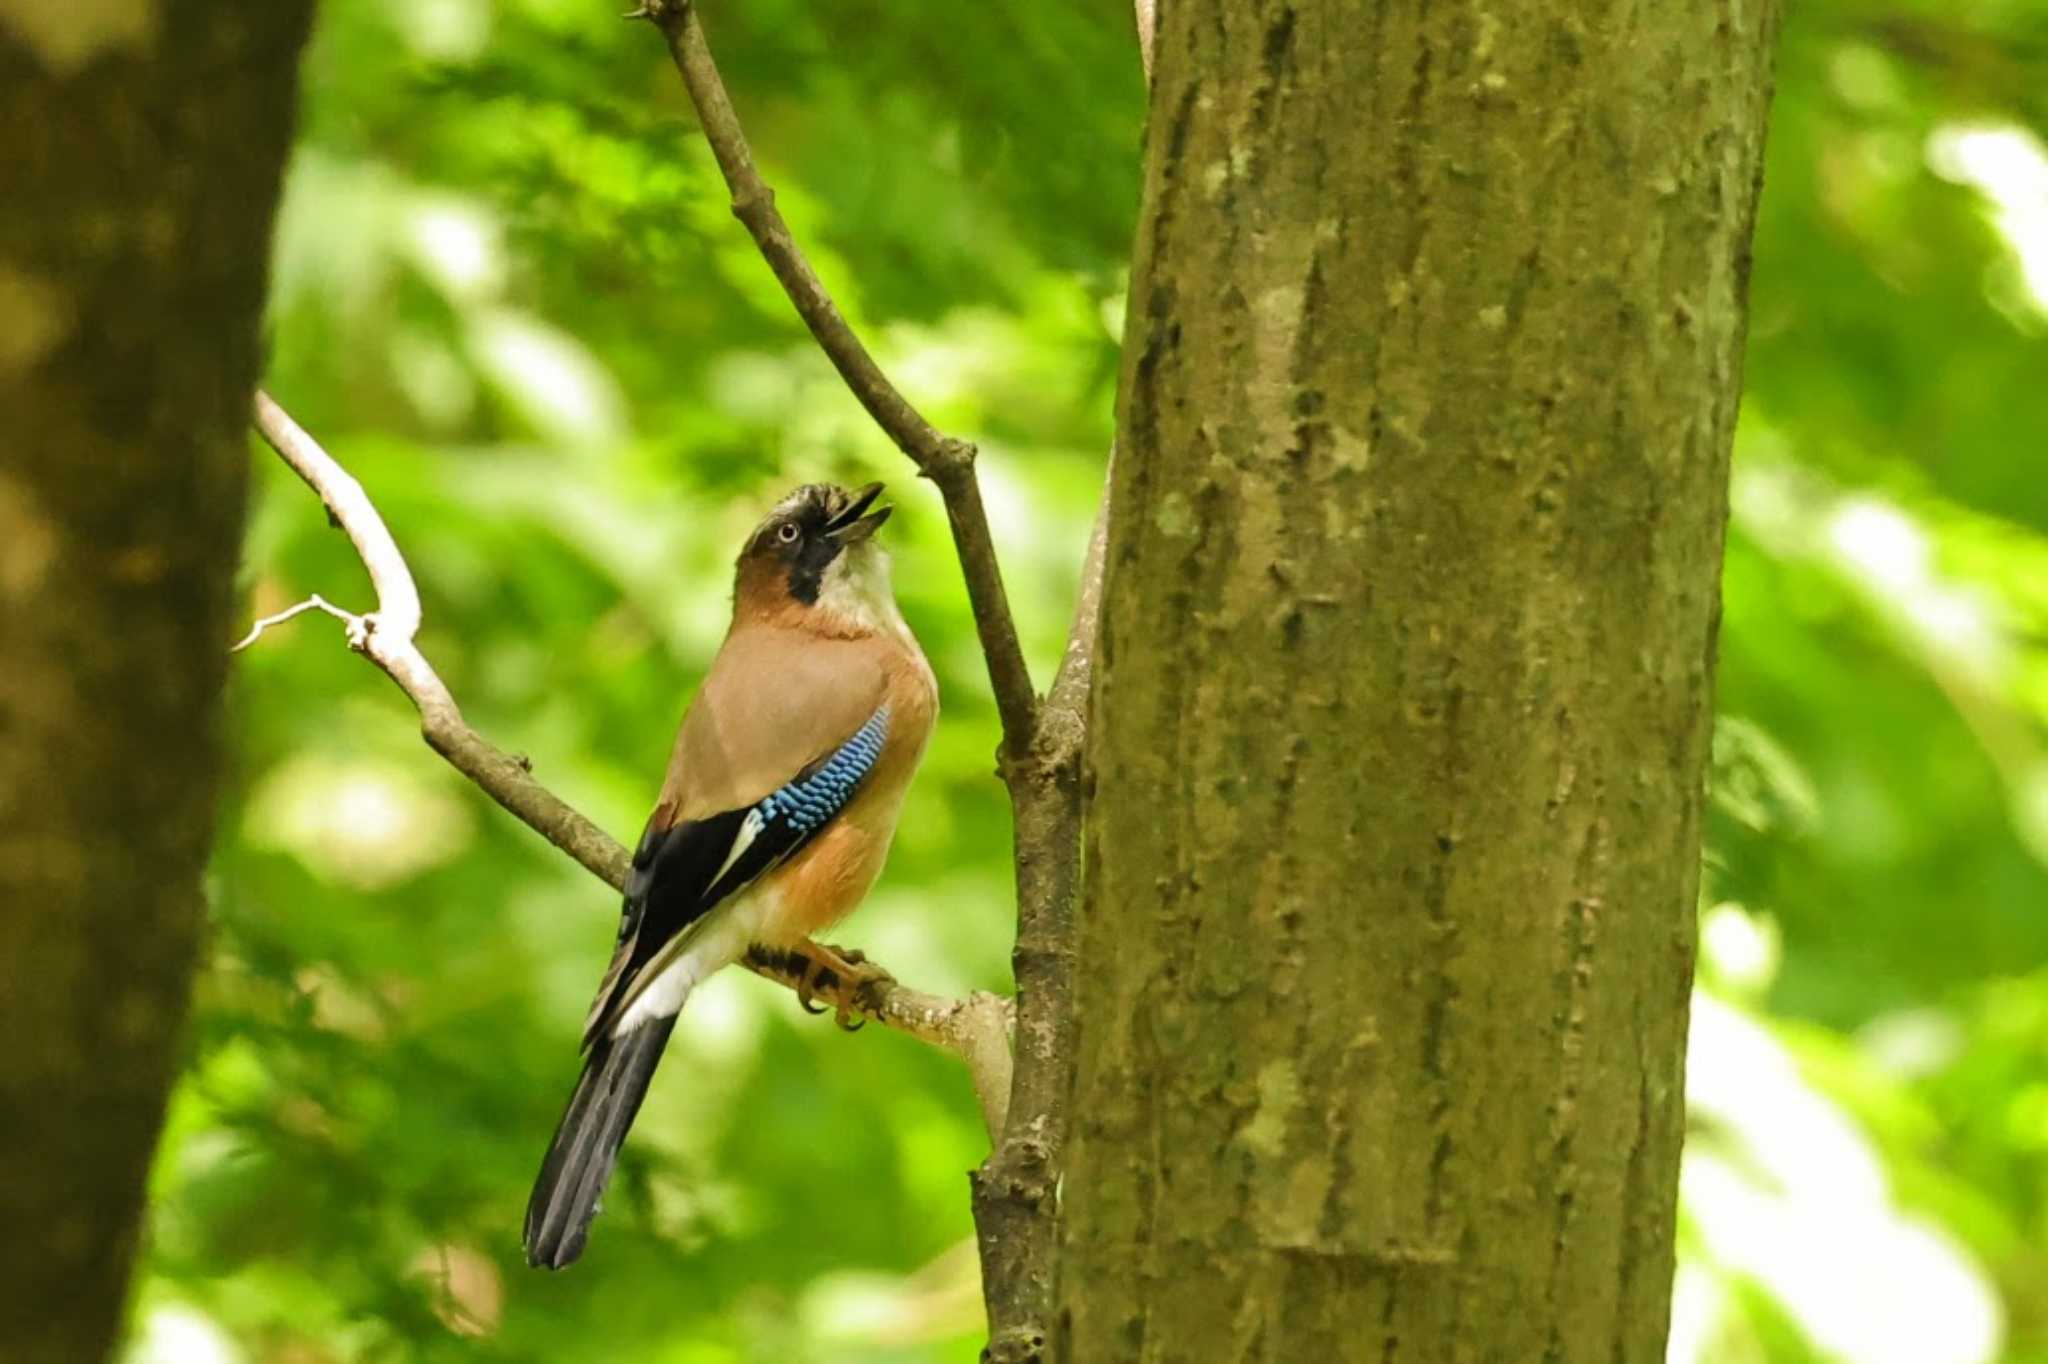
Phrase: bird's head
(814,561)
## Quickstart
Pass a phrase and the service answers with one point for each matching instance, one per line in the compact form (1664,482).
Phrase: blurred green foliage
(509,296)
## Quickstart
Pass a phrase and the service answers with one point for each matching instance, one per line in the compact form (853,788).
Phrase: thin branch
(946,460)
(316,602)
(1148,29)
(975,1029)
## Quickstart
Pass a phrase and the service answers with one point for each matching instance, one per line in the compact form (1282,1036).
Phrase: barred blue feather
(809,801)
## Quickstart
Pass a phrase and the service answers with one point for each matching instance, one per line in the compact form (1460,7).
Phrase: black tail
(579,1162)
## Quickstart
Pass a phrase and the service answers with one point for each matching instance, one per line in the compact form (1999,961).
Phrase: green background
(509,296)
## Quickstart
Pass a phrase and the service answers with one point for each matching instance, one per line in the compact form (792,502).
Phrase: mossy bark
(141,147)
(1404,691)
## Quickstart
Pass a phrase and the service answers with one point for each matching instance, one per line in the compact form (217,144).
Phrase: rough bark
(1404,682)
(140,153)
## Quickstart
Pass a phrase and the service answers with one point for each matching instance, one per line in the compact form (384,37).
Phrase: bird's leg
(856,976)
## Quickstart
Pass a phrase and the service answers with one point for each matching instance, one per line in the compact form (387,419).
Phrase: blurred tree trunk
(141,146)
(1431,374)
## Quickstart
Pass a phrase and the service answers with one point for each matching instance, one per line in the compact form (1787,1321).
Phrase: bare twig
(316,602)
(1148,28)
(946,460)
(976,1029)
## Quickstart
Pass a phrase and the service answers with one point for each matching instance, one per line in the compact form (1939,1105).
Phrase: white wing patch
(750,829)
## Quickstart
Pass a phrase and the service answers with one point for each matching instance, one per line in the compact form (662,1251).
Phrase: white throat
(855,593)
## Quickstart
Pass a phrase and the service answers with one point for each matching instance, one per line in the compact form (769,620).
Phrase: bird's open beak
(850,527)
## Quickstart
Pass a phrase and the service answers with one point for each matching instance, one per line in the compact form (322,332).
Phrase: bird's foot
(856,980)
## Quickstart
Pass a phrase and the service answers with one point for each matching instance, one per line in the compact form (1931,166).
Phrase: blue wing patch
(787,817)
(815,797)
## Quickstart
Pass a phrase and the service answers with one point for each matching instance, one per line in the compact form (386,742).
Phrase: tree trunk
(141,146)
(1393,830)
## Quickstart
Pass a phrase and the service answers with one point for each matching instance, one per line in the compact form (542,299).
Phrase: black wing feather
(666,892)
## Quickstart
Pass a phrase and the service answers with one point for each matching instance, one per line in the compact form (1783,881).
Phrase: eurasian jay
(782,796)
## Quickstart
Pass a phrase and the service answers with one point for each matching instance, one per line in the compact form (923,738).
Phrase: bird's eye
(787,532)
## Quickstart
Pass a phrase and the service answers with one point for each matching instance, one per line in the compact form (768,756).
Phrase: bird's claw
(857,981)
(863,988)
(807,984)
